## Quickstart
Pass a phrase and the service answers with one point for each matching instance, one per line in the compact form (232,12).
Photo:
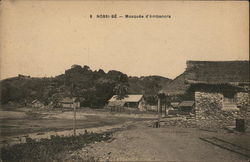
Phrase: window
(229,102)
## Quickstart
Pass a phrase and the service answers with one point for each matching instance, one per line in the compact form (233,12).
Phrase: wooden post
(165,107)
(74,106)
(74,127)
(159,106)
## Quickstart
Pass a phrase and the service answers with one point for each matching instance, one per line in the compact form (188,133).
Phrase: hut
(186,107)
(223,85)
(69,102)
(174,105)
(219,89)
(131,101)
(36,104)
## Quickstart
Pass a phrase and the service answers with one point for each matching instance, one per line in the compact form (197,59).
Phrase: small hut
(36,104)
(131,101)
(69,102)
(186,107)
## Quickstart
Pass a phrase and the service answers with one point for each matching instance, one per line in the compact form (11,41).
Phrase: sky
(43,38)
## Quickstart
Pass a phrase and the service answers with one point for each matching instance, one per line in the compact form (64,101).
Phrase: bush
(48,149)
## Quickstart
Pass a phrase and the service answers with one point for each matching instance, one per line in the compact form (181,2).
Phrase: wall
(208,109)
(242,99)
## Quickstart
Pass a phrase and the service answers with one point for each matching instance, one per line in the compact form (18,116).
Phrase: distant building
(37,104)
(174,105)
(132,101)
(68,102)
(186,107)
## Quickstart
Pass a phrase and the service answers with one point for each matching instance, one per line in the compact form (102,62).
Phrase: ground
(16,122)
(143,143)
(136,139)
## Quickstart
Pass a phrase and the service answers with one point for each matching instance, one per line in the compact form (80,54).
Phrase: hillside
(94,88)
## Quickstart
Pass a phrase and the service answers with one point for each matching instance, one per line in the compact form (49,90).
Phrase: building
(69,102)
(132,101)
(186,107)
(225,83)
(174,105)
(37,104)
(220,90)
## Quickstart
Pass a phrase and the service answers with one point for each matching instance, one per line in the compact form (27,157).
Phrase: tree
(85,68)
(121,90)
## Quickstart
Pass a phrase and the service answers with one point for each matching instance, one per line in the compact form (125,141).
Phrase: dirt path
(142,143)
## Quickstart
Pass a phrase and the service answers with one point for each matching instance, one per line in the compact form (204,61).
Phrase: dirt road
(137,143)
(143,143)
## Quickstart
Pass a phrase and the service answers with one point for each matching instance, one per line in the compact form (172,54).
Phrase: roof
(186,104)
(208,72)
(174,104)
(68,100)
(116,103)
(35,101)
(217,72)
(176,86)
(128,98)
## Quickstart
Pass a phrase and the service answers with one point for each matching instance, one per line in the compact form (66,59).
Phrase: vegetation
(50,149)
(93,88)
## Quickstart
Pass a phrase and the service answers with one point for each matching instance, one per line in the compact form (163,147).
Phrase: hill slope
(93,87)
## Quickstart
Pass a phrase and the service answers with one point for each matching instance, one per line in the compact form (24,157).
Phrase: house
(186,107)
(222,83)
(69,102)
(37,104)
(132,101)
(174,105)
(219,89)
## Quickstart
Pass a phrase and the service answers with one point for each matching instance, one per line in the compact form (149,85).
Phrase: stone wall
(209,113)
(242,99)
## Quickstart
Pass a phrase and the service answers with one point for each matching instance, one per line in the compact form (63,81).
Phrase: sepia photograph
(125,80)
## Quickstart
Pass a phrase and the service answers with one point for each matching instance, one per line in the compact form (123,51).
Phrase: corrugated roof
(128,98)
(186,103)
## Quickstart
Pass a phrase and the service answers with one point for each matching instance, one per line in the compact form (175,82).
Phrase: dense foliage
(93,88)
(50,149)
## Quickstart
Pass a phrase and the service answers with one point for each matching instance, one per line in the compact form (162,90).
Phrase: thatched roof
(176,86)
(209,72)
(217,72)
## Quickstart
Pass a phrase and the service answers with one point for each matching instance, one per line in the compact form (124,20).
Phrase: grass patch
(50,149)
